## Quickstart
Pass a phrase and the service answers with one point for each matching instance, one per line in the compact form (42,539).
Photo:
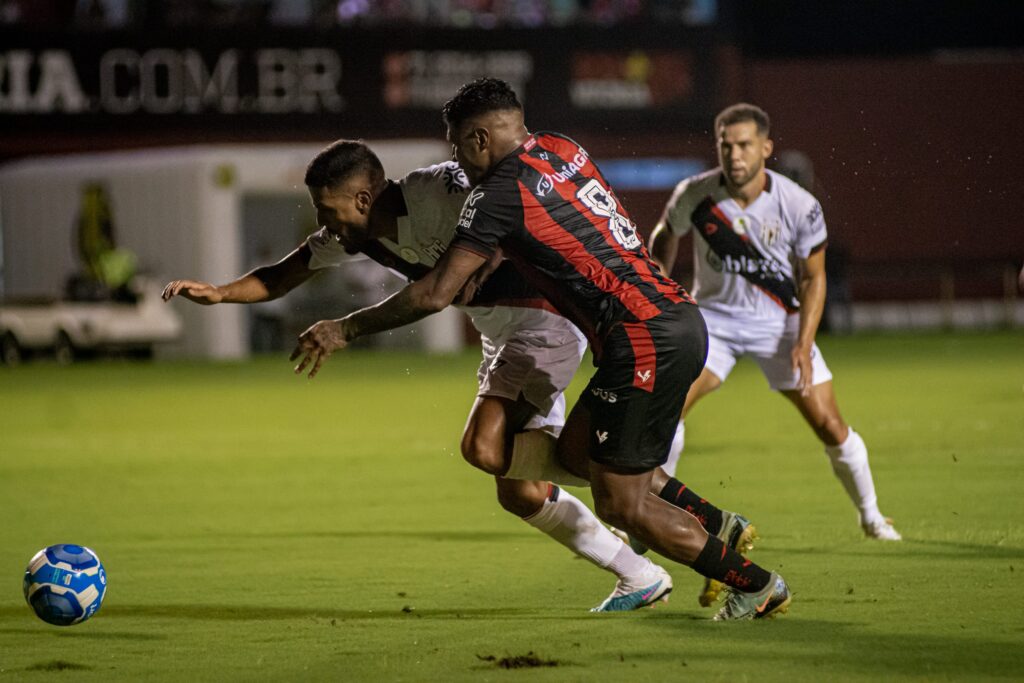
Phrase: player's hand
(317,343)
(801,360)
(193,290)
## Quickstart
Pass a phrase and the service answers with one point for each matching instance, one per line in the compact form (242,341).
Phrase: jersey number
(603,204)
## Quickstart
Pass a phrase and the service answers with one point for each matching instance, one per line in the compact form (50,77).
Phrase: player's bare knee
(483,454)
(618,511)
(832,430)
(521,498)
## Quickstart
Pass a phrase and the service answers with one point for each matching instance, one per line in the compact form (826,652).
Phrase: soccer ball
(65,584)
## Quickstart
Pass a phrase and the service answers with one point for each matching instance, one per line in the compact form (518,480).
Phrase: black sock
(708,515)
(722,563)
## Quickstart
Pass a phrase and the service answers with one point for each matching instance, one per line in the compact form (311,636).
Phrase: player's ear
(482,138)
(769,146)
(364,200)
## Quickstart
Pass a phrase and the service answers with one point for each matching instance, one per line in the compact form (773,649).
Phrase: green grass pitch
(259,526)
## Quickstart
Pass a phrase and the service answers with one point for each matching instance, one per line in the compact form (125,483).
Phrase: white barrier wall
(179,211)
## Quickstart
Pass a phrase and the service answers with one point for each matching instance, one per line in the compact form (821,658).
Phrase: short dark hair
(738,113)
(342,160)
(479,97)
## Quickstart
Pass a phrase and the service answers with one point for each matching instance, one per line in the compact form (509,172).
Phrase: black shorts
(636,397)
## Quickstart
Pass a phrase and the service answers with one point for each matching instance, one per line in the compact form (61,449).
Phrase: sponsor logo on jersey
(604,395)
(435,249)
(567,172)
(468,210)
(409,255)
(766,266)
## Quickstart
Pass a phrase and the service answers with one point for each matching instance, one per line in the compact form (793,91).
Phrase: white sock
(675,450)
(571,523)
(850,464)
(533,459)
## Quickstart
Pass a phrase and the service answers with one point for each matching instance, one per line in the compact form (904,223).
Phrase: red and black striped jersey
(553,214)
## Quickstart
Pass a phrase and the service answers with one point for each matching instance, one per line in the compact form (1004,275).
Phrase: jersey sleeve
(676,216)
(811,233)
(325,251)
(491,212)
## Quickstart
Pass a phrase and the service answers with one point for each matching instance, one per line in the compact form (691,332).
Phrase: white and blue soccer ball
(65,584)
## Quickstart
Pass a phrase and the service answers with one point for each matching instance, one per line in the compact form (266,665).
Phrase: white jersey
(433,200)
(744,259)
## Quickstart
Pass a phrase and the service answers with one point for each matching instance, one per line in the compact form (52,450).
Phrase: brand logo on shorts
(497,363)
(602,436)
(604,395)
(644,376)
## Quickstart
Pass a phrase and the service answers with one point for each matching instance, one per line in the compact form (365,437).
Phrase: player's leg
(845,449)
(510,436)
(847,454)
(559,514)
(622,499)
(648,367)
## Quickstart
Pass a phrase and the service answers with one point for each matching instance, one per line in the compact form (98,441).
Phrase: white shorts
(769,344)
(537,364)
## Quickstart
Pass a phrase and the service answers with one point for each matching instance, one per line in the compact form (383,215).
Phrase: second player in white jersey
(759,277)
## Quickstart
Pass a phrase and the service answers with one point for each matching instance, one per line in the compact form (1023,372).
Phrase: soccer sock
(675,450)
(720,562)
(850,464)
(567,520)
(708,515)
(533,459)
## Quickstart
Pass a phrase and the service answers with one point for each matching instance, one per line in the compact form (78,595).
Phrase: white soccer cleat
(653,585)
(882,530)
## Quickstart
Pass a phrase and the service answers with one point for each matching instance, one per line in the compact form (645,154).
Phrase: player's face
(742,152)
(344,211)
(469,153)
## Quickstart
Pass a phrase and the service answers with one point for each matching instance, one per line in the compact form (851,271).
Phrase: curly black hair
(341,160)
(479,97)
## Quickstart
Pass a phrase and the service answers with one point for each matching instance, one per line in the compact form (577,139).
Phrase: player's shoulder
(790,193)
(702,183)
(690,191)
(446,175)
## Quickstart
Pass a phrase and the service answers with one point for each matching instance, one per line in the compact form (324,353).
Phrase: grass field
(258,526)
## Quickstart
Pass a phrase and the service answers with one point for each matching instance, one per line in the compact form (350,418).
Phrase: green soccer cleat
(768,603)
(653,585)
(737,533)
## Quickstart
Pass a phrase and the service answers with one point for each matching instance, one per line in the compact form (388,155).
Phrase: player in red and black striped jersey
(543,202)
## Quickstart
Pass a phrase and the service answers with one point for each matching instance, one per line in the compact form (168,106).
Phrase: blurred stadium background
(175,132)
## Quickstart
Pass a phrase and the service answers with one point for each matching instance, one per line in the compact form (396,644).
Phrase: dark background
(911,112)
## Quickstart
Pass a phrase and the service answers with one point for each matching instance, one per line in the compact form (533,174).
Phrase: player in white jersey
(759,278)
(530,352)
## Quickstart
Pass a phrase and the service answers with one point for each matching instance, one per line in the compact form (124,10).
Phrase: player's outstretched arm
(812,304)
(663,246)
(431,294)
(262,284)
